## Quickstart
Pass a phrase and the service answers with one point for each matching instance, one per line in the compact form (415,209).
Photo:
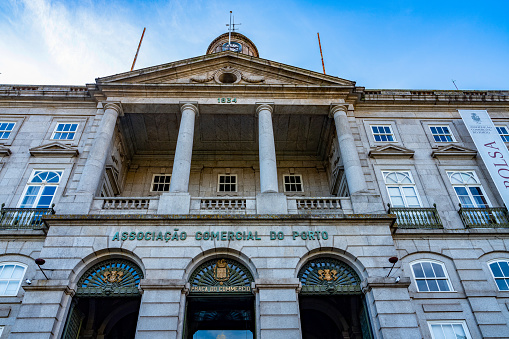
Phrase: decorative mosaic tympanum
(110,278)
(221,275)
(328,276)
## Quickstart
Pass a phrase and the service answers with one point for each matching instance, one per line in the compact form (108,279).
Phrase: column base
(271,203)
(174,203)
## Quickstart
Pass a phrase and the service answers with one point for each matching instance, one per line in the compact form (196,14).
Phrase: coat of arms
(476,118)
(221,271)
(113,276)
(327,274)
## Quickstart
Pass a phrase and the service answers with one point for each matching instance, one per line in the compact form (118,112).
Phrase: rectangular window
(500,271)
(449,330)
(64,131)
(468,189)
(6,129)
(227,183)
(161,183)
(401,189)
(293,183)
(430,277)
(382,133)
(442,134)
(41,189)
(504,133)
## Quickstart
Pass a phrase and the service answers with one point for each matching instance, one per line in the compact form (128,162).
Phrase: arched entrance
(106,303)
(331,303)
(220,303)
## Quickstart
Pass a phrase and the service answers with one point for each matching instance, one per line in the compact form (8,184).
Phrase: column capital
(117,106)
(269,106)
(191,106)
(335,108)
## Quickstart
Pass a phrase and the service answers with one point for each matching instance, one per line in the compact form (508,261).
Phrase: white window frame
(400,187)
(431,261)
(451,133)
(293,175)
(152,182)
(502,135)
(449,322)
(2,131)
(61,132)
(382,134)
(467,186)
(506,278)
(2,265)
(236,183)
(42,185)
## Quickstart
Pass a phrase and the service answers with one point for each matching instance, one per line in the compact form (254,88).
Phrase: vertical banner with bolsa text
(490,146)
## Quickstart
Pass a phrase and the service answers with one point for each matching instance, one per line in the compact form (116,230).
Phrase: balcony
(489,217)
(221,205)
(24,218)
(416,217)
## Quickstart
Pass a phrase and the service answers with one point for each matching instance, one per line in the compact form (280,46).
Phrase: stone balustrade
(124,205)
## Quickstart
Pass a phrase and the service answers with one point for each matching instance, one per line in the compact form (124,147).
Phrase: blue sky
(378,44)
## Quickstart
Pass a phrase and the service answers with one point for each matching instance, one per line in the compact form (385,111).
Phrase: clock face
(233,46)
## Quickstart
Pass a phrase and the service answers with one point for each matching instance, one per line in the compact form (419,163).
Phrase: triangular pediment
(4,151)
(391,151)
(454,151)
(54,149)
(208,69)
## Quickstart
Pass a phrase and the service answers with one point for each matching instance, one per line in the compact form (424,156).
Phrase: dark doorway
(333,317)
(105,318)
(211,317)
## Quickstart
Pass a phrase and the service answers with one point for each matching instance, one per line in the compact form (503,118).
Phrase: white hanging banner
(490,146)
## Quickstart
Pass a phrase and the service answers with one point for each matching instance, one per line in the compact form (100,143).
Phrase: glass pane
(433,130)
(12,287)
(418,272)
(437,332)
(442,285)
(18,272)
(439,271)
(432,285)
(458,330)
(428,271)
(3,287)
(223,334)
(497,272)
(505,268)
(502,284)
(448,331)
(7,272)
(422,286)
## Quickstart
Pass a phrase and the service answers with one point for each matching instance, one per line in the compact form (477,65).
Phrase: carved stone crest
(327,275)
(221,271)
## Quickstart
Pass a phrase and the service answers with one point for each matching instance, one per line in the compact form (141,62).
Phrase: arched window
(431,276)
(468,189)
(401,189)
(11,275)
(41,189)
(500,271)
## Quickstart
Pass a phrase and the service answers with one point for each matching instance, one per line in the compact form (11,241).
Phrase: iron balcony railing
(23,218)
(416,217)
(488,217)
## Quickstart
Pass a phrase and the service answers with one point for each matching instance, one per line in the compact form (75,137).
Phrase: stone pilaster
(44,310)
(162,304)
(351,162)
(278,307)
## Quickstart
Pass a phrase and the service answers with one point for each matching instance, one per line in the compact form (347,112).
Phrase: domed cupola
(238,43)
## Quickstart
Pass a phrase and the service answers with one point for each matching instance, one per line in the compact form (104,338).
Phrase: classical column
(267,150)
(184,151)
(348,150)
(94,167)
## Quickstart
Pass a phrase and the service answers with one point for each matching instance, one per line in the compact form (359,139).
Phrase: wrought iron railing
(23,218)
(416,217)
(489,217)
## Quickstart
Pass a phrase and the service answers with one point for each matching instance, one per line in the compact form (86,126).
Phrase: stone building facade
(230,196)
